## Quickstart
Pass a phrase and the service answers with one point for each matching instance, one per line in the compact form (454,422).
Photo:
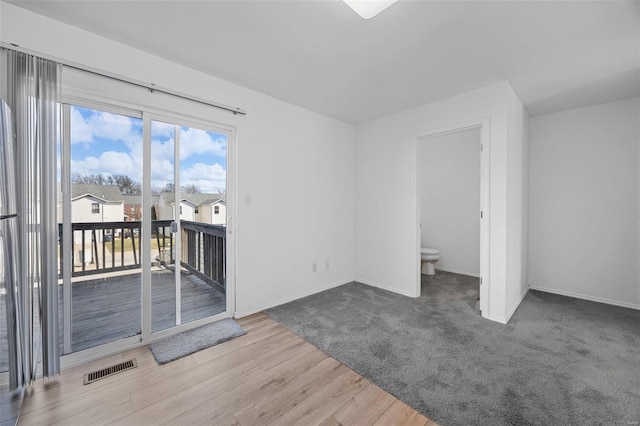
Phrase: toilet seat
(428,257)
(429,251)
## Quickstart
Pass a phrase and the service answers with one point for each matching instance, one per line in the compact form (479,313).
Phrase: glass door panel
(109,292)
(188,279)
(105,195)
(203,184)
(163,240)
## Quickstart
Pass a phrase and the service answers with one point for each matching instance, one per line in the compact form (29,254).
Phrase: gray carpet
(194,340)
(559,361)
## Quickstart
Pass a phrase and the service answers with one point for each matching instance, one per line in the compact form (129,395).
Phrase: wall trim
(494,318)
(585,297)
(517,303)
(384,287)
(242,314)
(457,271)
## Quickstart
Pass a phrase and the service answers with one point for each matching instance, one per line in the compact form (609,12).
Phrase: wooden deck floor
(108,309)
(268,376)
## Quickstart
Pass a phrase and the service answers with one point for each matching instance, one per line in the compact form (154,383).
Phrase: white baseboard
(516,304)
(457,271)
(585,297)
(384,287)
(494,318)
(291,299)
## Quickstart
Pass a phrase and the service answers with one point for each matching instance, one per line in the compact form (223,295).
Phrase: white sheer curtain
(31,89)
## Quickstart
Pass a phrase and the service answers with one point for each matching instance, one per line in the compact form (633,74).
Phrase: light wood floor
(268,376)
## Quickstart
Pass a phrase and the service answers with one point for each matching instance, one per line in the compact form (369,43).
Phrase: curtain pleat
(32,92)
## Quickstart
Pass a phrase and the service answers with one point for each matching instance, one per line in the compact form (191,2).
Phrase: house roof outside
(109,193)
(132,199)
(214,201)
(196,199)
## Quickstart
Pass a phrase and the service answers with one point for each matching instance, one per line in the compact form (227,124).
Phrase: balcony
(107,274)
(100,247)
(106,278)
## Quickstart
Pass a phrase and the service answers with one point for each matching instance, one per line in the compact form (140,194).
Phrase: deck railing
(100,247)
(203,251)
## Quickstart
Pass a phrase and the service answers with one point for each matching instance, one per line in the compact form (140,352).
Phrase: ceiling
(322,56)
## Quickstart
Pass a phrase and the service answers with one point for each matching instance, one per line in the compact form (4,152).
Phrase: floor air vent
(109,371)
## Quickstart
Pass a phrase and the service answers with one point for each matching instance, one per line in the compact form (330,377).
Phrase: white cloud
(161,162)
(209,178)
(194,142)
(106,125)
(109,163)
(198,142)
(160,129)
(81,132)
(162,149)
(115,127)
(161,173)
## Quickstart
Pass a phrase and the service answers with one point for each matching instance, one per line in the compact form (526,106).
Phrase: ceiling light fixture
(369,8)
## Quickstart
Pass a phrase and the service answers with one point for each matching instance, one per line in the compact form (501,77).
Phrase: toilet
(429,257)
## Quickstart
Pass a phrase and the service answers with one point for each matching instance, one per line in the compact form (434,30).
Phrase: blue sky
(109,143)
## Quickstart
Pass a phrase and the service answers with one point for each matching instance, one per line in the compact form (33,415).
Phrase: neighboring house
(188,209)
(205,208)
(132,208)
(96,203)
(213,211)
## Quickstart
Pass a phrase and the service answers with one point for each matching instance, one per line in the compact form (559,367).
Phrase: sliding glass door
(102,181)
(143,225)
(188,189)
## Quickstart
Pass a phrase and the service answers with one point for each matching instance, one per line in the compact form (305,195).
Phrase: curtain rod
(149,86)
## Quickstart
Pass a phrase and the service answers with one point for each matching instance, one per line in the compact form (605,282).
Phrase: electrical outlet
(326,265)
(314,267)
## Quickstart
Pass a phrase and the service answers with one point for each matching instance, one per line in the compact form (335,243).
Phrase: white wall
(517,195)
(187,211)
(584,218)
(206,213)
(387,240)
(294,163)
(165,211)
(221,217)
(82,210)
(449,197)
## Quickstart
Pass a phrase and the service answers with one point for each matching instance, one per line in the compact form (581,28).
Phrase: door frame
(230,131)
(65,186)
(484,124)
(143,111)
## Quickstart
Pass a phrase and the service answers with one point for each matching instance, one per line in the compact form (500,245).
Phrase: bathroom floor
(452,286)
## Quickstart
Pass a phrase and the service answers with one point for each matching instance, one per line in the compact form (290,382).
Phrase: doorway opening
(452,214)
